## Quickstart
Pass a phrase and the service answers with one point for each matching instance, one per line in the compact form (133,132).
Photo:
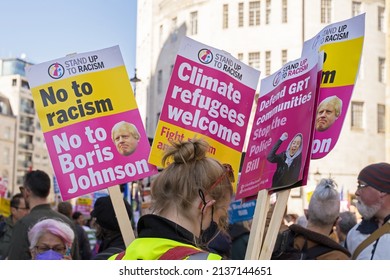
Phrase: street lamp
(317,176)
(135,80)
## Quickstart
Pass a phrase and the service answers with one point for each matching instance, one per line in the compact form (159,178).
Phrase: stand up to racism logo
(56,70)
(205,56)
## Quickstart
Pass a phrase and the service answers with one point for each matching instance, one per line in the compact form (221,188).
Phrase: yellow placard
(5,205)
(341,64)
(86,201)
(85,97)
(218,151)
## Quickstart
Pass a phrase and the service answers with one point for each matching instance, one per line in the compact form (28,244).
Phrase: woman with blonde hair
(190,200)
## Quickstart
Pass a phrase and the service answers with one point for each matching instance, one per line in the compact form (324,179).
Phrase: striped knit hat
(376,175)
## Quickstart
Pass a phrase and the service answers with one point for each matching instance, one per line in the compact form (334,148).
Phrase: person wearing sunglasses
(19,209)
(190,200)
(373,203)
(51,239)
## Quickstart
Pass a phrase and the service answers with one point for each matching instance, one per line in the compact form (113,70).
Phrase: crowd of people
(189,219)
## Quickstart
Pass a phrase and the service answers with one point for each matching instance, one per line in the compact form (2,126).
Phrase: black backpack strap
(284,241)
(284,248)
(316,251)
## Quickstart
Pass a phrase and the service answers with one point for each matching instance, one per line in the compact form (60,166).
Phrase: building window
(158,117)
(356,8)
(357,115)
(159,81)
(161,34)
(267,11)
(268,63)
(381,69)
(194,23)
(7,133)
(254,60)
(25,84)
(284,11)
(326,10)
(240,14)
(254,13)
(381,118)
(284,57)
(174,29)
(361,69)
(381,18)
(240,56)
(6,155)
(3,108)
(225,16)
(14,82)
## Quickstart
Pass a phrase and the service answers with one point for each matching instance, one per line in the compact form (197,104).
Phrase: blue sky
(44,30)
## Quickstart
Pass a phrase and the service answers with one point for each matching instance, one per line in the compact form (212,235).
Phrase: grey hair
(324,206)
(347,221)
(55,227)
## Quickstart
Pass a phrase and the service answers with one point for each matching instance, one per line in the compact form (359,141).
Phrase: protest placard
(342,43)
(241,211)
(278,152)
(210,96)
(3,186)
(80,100)
(84,204)
(5,204)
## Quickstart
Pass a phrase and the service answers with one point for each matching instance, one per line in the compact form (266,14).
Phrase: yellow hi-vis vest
(153,248)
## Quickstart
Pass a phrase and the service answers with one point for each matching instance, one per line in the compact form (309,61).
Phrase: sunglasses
(361,185)
(228,172)
(22,208)
(43,248)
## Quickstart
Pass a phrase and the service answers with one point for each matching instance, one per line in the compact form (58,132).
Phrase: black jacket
(284,175)
(110,246)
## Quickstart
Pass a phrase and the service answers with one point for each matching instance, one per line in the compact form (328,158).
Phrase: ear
(382,194)
(209,205)
(336,221)
(33,254)
(13,211)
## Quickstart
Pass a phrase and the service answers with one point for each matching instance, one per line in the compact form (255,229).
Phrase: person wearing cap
(107,228)
(373,196)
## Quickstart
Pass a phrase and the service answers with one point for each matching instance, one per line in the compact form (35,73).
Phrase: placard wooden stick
(274,226)
(121,214)
(258,224)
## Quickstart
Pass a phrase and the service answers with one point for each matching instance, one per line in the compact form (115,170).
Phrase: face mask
(209,233)
(49,255)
